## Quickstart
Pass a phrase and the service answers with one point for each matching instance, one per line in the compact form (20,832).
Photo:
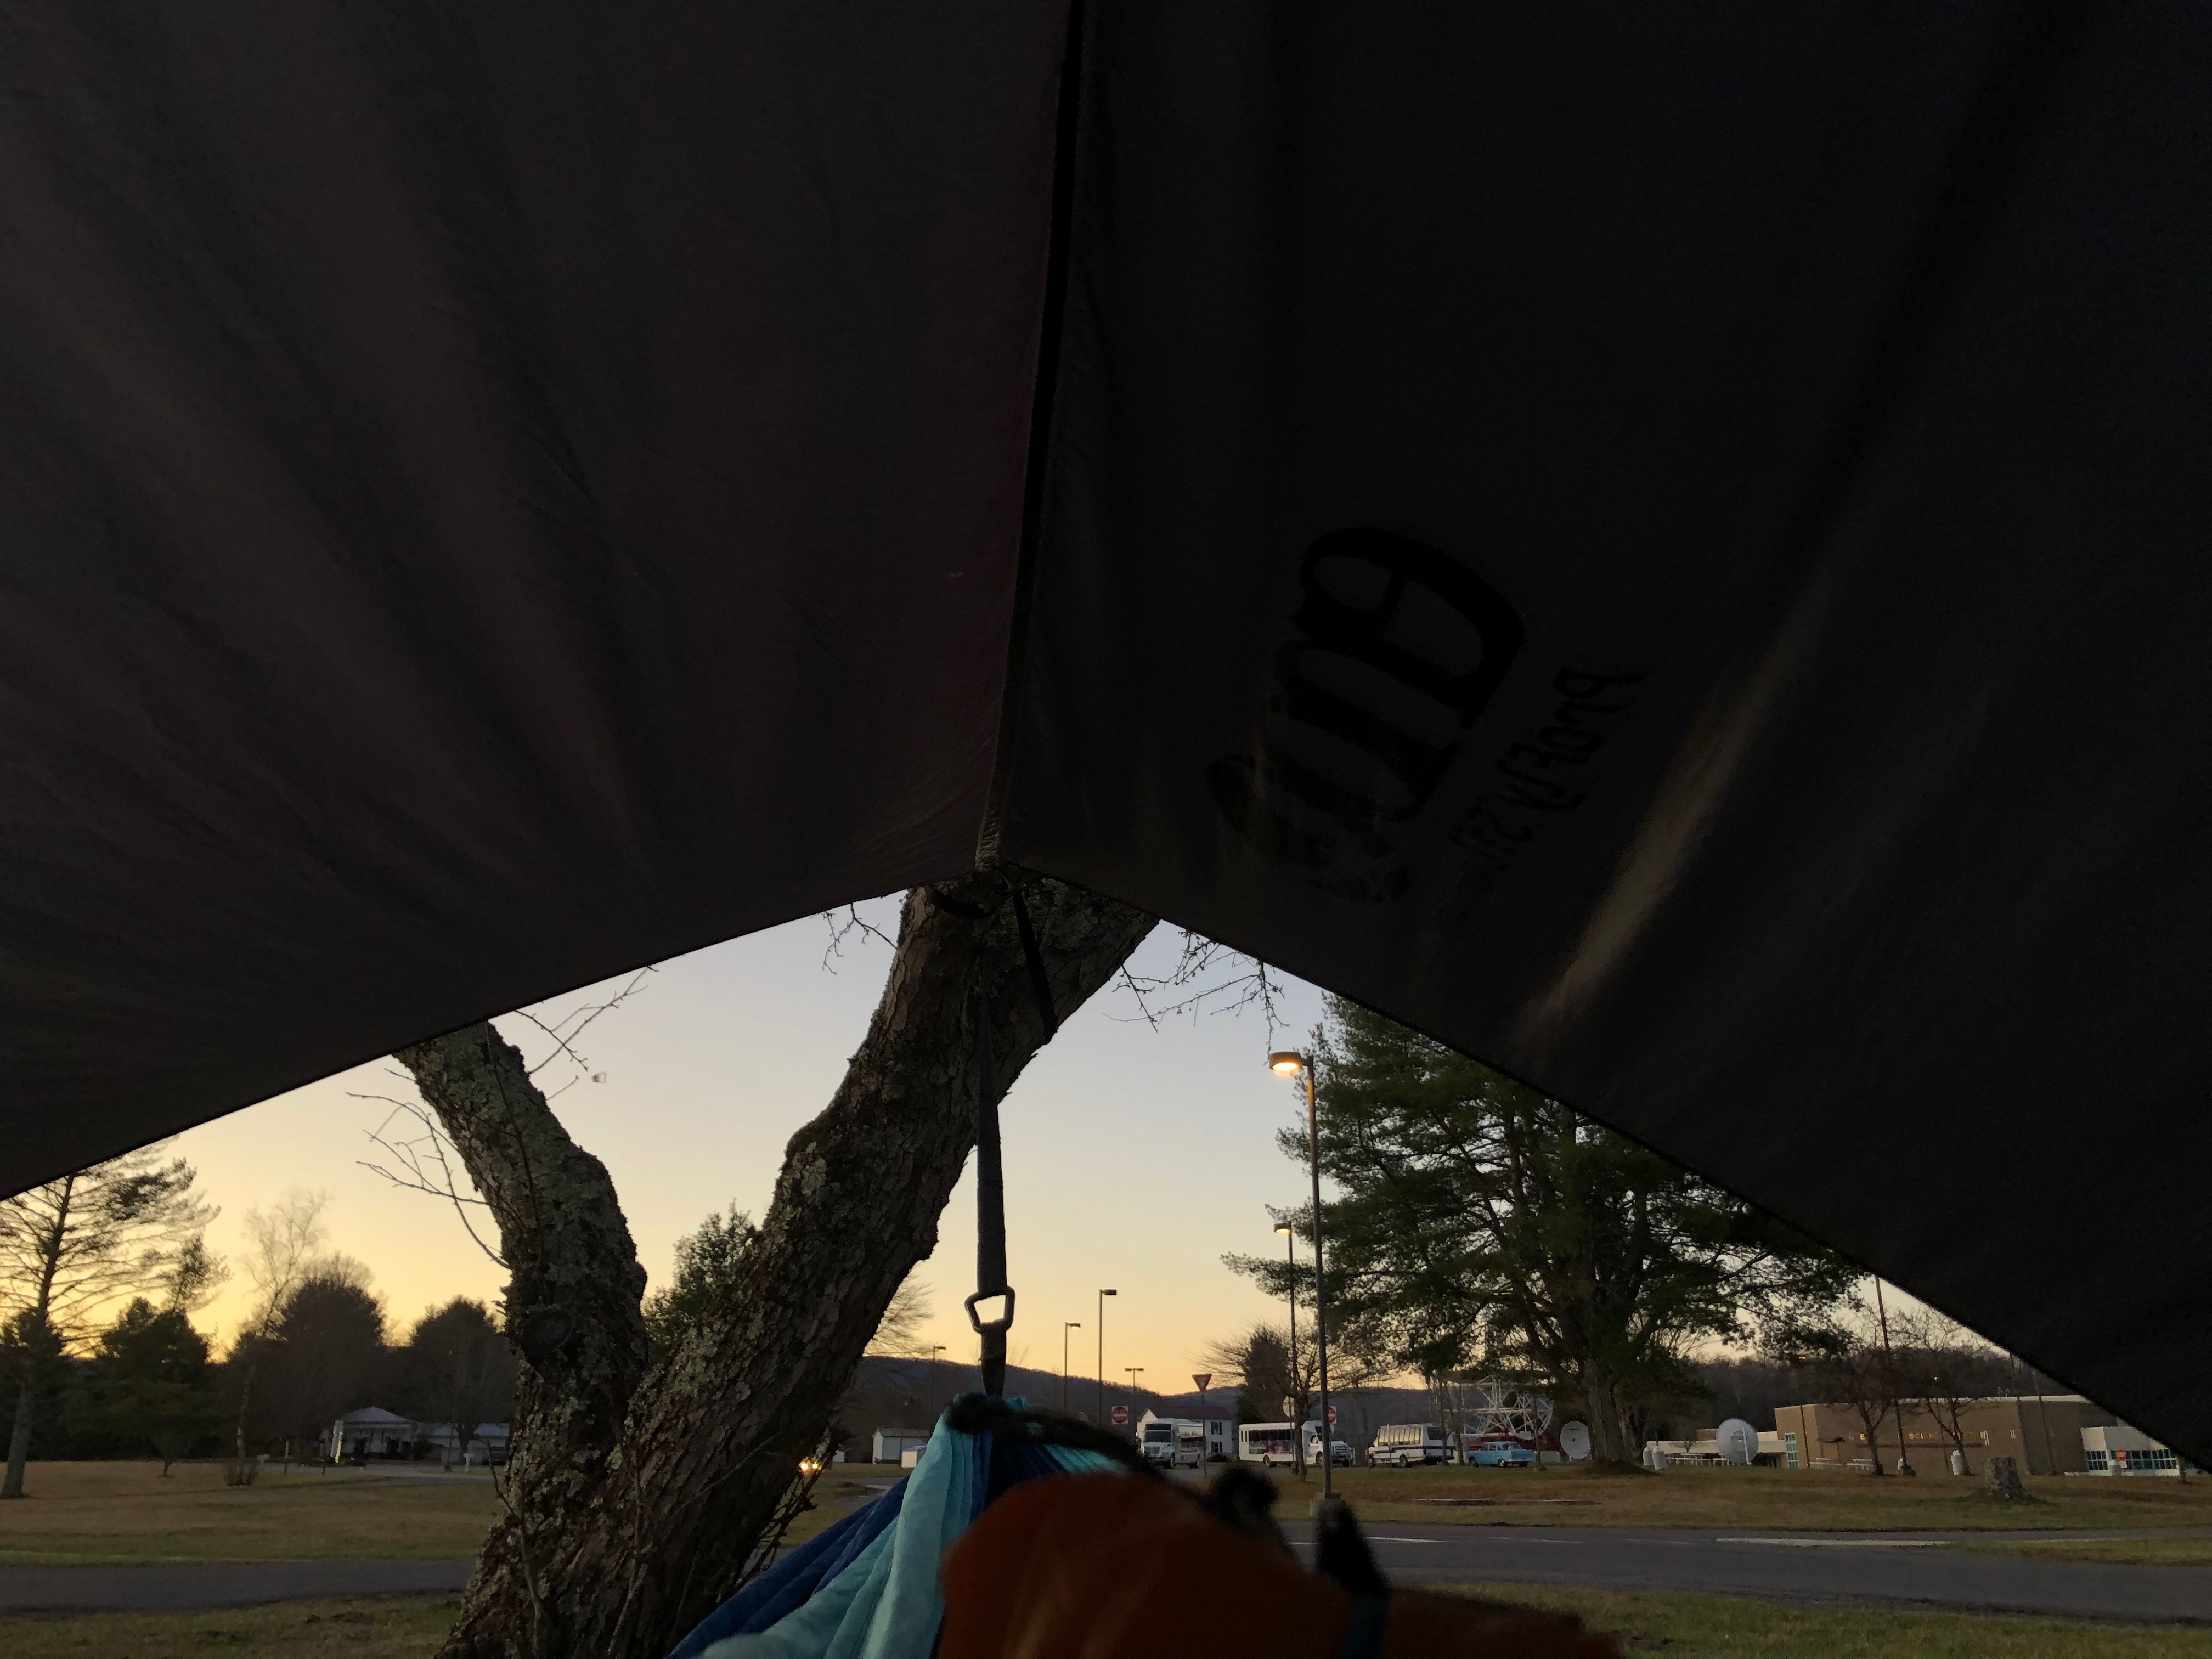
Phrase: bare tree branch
(1208,978)
(426,1160)
(843,927)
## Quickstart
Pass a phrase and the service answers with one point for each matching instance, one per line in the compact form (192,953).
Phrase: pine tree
(1481,1222)
(71,1246)
(148,1385)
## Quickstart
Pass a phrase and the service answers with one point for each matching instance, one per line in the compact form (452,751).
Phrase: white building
(372,1431)
(2119,1449)
(892,1445)
(1212,1435)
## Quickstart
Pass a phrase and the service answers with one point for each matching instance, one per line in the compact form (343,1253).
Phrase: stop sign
(1120,1415)
(1331,1417)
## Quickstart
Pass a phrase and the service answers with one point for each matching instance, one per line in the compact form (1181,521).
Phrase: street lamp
(1134,1372)
(1289,1063)
(1291,1255)
(1103,1295)
(1065,1327)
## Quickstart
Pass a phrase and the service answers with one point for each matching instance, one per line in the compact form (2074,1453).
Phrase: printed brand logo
(1398,648)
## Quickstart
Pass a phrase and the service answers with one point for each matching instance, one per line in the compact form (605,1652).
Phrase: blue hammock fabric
(866,1587)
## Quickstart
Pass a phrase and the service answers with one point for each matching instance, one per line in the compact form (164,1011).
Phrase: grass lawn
(121,1513)
(391,1628)
(2136,1552)
(1725,1627)
(1776,1499)
(1681,1627)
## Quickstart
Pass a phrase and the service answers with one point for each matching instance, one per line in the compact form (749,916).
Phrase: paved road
(218,1584)
(1916,1570)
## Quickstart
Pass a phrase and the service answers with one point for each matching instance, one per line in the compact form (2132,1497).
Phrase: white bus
(1266,1442)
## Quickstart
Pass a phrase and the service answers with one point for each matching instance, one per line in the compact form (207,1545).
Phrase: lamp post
(1134,1371)
(1066,1326)
(1103,1295)
(935,1383)
(1291,1255)
(1289,1063)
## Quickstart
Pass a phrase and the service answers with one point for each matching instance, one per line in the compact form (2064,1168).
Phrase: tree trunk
(19,1440)
(1873,1439)
(636,1497)
(1611,1441)
(573,1310)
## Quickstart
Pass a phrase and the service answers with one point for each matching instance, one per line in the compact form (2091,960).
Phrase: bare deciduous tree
(1857,1369)
(1946,1371)
(635,1488)
(456,1369)
(908,1310)
(283,1246)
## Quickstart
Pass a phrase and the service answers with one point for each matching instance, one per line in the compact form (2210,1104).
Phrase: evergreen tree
(147,1388)
(706,1260)
(1481,1223)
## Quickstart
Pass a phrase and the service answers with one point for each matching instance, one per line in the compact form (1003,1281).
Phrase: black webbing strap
(1039,986)
(990,1208)
(990,1171)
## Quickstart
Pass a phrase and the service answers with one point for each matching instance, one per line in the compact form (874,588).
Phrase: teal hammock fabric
(867,1587)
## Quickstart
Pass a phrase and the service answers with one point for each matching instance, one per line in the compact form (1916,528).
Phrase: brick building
(2045,1434)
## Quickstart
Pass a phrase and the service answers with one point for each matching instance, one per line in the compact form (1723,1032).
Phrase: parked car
(1500,1452)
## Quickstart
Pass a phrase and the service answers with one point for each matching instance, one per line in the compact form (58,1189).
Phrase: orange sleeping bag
(1103,1566)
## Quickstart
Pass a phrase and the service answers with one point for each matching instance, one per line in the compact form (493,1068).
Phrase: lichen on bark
(634,1493)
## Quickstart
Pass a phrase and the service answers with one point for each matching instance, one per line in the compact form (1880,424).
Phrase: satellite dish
(1574,1441)
(1738,1441)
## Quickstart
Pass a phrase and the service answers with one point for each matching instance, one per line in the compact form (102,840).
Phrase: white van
(1276,1442)
(1404,1444)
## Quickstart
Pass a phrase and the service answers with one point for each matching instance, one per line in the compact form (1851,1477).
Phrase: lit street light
(1065,1327)
(1103,1295)
(1289,1063)
(1291,1255)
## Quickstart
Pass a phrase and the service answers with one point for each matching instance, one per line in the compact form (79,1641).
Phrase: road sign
(1120,1416)
(1331,1417)
(1201,1381)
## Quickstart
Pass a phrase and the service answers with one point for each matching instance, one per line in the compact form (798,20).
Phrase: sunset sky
(1135,1157)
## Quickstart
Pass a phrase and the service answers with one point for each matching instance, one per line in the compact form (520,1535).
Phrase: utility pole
(1066,1326)
(1103,1295)
(1289,1063)
(1896,1405)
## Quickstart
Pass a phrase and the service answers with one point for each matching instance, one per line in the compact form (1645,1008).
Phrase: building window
(2097,1460)
(1789,1451)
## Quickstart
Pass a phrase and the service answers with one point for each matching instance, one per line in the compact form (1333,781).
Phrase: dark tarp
(1664,549)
